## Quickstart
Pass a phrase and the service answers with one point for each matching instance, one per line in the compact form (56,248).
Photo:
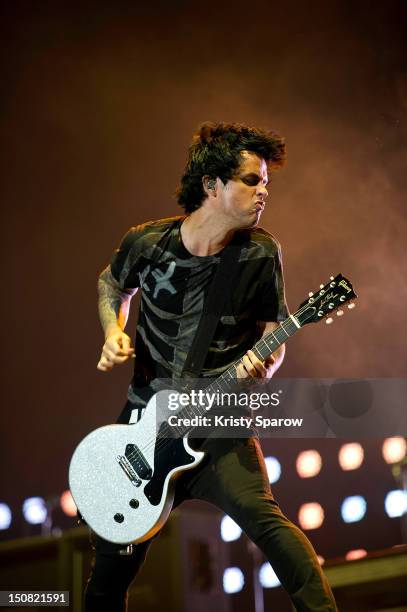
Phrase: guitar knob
(339,313)
(329,321)
(118,517)
(351,305)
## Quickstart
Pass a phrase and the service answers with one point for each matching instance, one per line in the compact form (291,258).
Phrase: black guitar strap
(212,309)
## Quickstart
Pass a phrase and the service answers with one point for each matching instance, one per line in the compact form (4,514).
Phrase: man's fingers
(257,363)
(113,347)
(104,364)
(125,341)
(269,361)
(116,350)
(241,372)
(251,366)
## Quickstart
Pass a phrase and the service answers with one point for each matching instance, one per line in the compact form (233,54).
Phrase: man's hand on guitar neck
(252,366)
(116,350)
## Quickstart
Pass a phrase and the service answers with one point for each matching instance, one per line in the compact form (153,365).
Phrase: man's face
(242,199)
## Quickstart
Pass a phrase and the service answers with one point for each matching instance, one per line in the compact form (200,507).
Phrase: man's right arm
(114,304)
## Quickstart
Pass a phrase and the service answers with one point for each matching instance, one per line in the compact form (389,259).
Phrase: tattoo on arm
(114,302)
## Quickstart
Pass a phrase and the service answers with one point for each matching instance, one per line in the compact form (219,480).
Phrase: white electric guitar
(122,476)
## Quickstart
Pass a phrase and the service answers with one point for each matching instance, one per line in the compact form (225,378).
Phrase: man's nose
(262,191)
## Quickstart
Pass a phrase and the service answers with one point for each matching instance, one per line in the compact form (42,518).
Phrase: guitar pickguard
(172,454)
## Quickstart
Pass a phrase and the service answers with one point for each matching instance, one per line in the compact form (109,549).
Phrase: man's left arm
(254,367)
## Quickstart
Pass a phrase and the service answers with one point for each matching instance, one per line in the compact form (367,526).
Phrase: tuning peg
(329,320)
(332,284)
(331,305)
(342,298)
(339,313)
(351,305)
(331,277)
(320,313)
(321,286)
(310,294)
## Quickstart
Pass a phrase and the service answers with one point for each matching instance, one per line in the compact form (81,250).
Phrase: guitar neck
(262,349)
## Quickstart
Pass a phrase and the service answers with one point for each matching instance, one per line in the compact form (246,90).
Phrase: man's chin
(256,219)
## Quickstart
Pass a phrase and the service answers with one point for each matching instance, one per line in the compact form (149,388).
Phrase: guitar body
(122,477)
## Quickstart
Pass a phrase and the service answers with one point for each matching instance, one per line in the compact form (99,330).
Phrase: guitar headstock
(328,299)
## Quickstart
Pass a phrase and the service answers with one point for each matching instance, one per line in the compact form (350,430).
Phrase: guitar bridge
(128,470)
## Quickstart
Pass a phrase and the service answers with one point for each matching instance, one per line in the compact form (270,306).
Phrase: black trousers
(232,476)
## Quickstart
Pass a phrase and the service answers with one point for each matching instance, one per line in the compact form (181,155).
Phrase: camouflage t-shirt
(174,284)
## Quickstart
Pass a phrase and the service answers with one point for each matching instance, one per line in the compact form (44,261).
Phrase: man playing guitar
(223,192)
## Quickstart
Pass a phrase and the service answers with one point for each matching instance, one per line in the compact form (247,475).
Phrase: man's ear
(209,184)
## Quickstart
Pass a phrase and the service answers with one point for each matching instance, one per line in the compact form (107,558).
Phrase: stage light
(5,516)
(233,580)
(308,463)
(273,469)
(353,508)
(395,503)
(34,510)
(357,553)
(267,577)
(311,516)
(351,456)
(67,503)
(394,449)
(229,530)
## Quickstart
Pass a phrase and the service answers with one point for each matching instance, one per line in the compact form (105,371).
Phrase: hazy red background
(98,108)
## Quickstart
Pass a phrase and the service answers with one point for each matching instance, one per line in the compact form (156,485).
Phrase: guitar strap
(212,309)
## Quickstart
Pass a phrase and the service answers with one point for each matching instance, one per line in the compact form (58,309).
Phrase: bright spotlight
(308,463)
(357,553)
(5,516)
(394,449)
(233,580)
(396,503)
(273,469)
(267,577)
(311,516)
(351,456)
(229,530)
(67,503)
(34,510)
(353,508)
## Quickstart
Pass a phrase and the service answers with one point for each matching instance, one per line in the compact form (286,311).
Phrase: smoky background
(98,106)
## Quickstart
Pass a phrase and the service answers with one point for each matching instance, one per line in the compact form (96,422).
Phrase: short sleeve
(125,259)
(272,303)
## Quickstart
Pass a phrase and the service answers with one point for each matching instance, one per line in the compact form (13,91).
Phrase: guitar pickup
(138,462)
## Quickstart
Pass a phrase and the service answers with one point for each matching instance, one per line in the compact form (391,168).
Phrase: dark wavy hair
(215,151)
